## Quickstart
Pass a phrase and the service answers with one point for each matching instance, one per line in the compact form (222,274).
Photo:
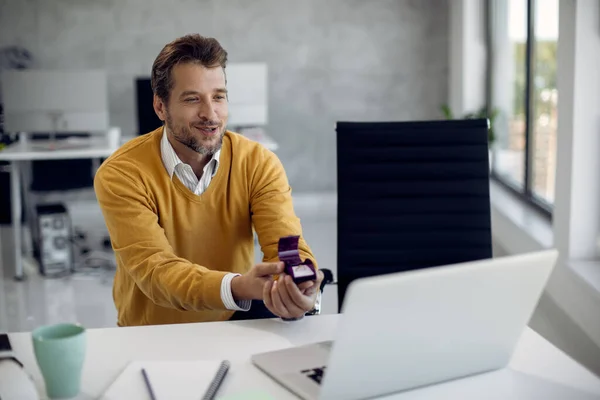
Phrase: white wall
(467,56)
(328,60)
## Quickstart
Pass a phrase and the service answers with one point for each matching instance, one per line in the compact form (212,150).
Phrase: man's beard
(184,135)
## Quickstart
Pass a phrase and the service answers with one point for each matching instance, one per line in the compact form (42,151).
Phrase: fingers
(310,291)
(278,305)
(286,299)
(273,301)
(293,309)
(320,277)
(267,297)
(305,285)
(265,269)
(301,300)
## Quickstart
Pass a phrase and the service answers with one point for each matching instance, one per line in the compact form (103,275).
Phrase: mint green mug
(60,352)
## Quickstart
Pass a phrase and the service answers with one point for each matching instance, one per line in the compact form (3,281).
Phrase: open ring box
(300,270)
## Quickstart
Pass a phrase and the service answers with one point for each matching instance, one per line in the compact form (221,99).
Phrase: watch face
(4,342)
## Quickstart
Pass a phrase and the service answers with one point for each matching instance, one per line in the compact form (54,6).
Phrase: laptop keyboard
(316,374)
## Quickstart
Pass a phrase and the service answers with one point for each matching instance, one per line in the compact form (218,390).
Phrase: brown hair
(192,48)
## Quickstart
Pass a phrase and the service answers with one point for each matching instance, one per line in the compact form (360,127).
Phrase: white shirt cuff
(227,296)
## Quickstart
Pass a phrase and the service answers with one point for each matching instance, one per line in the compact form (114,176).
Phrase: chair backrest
(411,195)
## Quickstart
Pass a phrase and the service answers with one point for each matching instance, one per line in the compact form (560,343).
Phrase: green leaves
(446,111)
(480,114)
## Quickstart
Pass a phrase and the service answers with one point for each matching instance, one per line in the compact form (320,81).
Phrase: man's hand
(250,285)
(287,300)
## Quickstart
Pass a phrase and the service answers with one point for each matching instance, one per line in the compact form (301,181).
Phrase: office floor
(87,297)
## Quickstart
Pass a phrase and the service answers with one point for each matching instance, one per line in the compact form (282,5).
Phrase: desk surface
(92,147)
(109,351)
(76,148)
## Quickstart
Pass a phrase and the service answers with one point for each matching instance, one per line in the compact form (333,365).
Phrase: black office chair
(411,195)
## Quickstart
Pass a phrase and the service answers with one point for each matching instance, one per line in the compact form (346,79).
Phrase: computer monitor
(247,92)
(146,116)
(55,101)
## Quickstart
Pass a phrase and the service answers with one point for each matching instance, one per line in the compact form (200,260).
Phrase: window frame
(524,193)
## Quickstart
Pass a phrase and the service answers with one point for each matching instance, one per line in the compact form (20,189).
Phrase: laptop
(412,329)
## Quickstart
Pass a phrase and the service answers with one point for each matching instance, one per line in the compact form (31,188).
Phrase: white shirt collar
(171,160)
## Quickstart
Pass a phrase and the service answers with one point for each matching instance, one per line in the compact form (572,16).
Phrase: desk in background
(95,148)
(111,349)
(23,151)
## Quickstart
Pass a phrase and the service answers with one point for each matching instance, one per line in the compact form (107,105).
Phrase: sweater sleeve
(272,208)
(143,250)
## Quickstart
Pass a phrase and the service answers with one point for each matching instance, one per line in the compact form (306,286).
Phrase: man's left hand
(287,300)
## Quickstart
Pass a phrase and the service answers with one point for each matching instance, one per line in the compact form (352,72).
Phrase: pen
(217,381)
(148,385)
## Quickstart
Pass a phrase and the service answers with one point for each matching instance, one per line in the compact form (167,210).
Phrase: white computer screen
(247,87)
(54,101)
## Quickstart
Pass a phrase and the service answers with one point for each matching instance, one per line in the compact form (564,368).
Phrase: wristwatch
(15,383)
(315,311)
(317,308)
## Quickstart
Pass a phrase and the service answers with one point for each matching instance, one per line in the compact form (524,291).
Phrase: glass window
(522,40)
(509,88)
(544,99)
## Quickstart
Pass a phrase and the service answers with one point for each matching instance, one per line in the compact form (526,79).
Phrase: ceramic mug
(60,352)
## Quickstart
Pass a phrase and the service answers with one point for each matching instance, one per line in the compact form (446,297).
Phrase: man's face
(197,110)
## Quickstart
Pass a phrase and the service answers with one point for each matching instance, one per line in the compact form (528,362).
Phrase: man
(180,204)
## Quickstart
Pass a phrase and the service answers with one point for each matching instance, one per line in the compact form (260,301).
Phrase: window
(522,41)
(544,99)
(508,89)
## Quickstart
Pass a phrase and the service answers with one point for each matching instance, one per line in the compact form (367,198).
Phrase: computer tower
(55,251)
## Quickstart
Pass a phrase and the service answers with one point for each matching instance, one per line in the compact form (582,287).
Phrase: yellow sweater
(173,247)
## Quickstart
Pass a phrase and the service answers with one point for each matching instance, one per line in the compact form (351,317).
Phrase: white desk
(109,350)
(20,152)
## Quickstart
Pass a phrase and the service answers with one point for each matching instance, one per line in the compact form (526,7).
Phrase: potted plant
(480,114)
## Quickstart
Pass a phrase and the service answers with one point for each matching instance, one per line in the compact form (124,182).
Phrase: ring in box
(300,270)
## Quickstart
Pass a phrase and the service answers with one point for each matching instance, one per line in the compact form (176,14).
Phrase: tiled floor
(87,297)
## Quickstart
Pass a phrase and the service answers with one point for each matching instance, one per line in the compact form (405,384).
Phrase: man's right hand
(250,285)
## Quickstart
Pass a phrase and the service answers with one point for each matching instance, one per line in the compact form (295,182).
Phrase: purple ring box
(300,271)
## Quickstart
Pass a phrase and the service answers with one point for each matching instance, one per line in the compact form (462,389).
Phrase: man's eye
(190,99)
(220,97)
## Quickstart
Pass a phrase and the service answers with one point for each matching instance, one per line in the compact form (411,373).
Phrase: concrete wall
(329,60)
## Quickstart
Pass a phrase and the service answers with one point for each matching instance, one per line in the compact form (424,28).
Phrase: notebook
(181,380)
